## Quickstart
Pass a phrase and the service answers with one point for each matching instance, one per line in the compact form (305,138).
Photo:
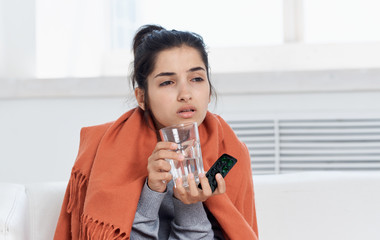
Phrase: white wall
(39,138)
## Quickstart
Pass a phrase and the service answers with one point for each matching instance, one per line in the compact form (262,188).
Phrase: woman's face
(178,87)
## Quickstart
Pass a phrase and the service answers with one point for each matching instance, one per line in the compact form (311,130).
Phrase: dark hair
(149,41)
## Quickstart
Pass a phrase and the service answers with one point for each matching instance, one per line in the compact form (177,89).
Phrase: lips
(186,111)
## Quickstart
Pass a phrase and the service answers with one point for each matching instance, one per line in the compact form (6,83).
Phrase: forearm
(146,221)
(190,222)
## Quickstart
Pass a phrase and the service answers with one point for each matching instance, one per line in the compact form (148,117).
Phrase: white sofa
(30,211)
(293,206)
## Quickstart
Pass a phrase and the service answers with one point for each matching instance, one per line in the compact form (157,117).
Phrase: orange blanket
(110,170)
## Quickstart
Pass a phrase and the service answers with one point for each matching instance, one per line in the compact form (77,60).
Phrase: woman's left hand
(195,194)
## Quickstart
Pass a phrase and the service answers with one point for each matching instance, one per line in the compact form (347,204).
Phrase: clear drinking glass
(187,138)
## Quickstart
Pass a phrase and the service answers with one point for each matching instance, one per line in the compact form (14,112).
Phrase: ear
(139,94)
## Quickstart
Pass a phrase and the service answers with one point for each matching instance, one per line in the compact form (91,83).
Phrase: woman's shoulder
(98,129)
(214,115)
(228,133)
(225,128)
(90,136)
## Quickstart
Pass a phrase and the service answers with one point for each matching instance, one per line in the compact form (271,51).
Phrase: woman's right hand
(158,168)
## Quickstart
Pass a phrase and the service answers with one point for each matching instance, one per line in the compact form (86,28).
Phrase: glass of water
(186,136)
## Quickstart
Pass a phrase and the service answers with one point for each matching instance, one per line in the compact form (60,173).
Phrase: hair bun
(142,32)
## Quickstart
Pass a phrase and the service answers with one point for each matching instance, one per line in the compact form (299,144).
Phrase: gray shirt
(162,216)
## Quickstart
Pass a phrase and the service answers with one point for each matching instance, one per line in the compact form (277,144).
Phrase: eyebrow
(194,69)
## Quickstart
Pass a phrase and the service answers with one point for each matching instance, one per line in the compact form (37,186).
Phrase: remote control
(223,165)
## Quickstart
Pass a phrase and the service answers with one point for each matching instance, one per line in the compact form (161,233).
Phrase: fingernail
(201,175)
(218,176)
(181,157)
(191,176)
(174,146)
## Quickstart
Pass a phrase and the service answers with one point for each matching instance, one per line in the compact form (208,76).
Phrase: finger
(159,176)
(221,183)
(179,186)
(165,154)
(179,191)
(205,185)
(168,177)
(164,176)
(193,189)
(158,166)
(158,181)
(165,145)
(161,166)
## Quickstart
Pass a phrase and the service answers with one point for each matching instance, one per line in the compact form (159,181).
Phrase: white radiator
(291,145)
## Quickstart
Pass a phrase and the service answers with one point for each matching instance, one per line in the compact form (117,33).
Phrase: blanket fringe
(76,183)
(95,229)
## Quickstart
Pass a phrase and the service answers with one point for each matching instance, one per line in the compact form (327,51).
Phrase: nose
(184,92)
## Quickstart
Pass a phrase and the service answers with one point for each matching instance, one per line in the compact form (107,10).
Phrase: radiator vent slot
(278,146)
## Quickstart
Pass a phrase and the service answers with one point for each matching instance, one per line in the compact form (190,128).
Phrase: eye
(166,83)
(197,79)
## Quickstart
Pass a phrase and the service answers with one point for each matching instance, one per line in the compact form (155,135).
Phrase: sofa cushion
(318,205)
(45,201)
(12,212)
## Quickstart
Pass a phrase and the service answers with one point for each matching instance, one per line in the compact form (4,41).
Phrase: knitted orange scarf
(110,170)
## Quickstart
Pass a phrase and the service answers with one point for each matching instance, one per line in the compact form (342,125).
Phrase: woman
(121,188)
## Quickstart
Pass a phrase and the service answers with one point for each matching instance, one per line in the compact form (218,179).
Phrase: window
(70,38)
(82,38)
(341,21)
(92,38)
(220,22)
